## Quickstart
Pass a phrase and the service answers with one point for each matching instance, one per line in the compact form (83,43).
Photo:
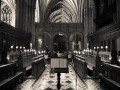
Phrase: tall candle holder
(101,48)
(106,48)
(16,48)
(11,48)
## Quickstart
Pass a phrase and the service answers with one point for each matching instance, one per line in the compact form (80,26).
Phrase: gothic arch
(76,32)
(58,33)
(44,33)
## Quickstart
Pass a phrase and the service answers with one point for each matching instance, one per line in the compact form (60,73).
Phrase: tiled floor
(68,82)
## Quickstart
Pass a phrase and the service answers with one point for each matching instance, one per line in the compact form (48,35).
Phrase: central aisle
(48,81)
(68,81)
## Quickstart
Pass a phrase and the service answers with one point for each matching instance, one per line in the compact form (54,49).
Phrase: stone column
(33,25)
(19,14)
(28,27)
(0,9)
(67,46)
(51,46)
(75,42)
(26,20)
(94,16)
(24,16)
(118,9)
(85,27)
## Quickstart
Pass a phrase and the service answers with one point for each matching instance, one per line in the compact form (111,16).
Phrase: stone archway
(60,38)
(75,41)
(65,28)
(43,40)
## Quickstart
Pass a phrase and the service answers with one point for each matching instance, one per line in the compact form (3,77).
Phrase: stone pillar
(0,9)
(19,14)
(24,16)
(85,26)
(94,7)
(33,26)
(93,15)
(45,41)
(28,23)
(67,46)
(51,46)
(75,42)
(26,20)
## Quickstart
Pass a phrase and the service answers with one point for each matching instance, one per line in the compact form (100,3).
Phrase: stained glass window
(6,14)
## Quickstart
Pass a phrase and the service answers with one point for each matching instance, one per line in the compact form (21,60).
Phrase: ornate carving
(111,30)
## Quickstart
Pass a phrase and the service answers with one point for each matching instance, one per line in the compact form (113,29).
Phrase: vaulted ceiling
(59,11)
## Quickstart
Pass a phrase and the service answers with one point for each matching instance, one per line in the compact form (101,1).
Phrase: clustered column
(0,9)
(25,17)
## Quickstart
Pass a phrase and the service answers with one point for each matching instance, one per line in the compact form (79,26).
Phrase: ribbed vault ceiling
(59,11)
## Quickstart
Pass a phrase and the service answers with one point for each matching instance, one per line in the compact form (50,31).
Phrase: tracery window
(6,14)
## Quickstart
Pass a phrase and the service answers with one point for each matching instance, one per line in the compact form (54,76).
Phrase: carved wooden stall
(11,36)
(110,76)
(8,75)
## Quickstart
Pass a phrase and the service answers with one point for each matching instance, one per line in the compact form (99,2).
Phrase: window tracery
(6,14)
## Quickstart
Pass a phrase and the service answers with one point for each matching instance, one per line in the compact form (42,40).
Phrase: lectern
(59,65)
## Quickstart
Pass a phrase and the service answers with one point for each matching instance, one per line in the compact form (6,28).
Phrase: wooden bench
(38,67)
(93,64)
(8,75)
(110,76)
(113,85)
(80,66)
(27,60)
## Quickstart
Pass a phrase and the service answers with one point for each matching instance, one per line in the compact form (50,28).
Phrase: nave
(48,81)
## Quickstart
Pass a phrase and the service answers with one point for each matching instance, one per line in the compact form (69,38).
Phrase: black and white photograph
(59,44)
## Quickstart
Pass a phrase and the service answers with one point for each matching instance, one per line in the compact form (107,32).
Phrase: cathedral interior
(59,45)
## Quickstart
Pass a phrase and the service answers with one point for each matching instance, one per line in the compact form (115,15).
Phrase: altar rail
(80,66)
(111,76)
(38,67)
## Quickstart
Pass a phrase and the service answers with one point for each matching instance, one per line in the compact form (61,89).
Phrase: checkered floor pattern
(69,81)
